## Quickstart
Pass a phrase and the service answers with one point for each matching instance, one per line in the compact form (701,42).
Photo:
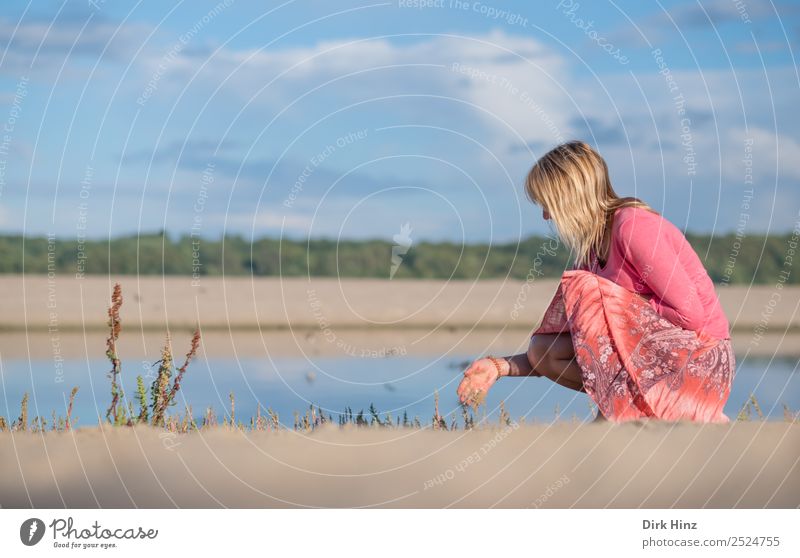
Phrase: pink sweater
(651,256)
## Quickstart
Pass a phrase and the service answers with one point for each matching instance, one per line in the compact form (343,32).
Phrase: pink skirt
(635,363)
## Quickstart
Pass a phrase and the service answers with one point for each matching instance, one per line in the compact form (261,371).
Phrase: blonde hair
(571,183)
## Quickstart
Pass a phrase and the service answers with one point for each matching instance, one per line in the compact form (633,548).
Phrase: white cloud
(519,82)
(516,82)
(777,151)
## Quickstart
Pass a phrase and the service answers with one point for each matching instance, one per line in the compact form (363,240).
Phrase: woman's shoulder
(644,228)
(630,212)
(633,220)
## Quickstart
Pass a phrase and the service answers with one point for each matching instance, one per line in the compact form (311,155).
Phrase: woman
(636,323)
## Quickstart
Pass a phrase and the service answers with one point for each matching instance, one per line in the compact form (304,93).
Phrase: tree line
(728,258)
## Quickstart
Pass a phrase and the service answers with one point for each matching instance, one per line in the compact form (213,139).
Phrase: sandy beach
(561,465)
(37,302)
(296,316)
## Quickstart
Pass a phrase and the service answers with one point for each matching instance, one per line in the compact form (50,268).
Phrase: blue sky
(350,119)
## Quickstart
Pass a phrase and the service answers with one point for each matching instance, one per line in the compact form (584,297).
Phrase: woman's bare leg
(550,356)
(553,356)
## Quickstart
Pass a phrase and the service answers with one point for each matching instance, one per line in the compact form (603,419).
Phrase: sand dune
(561,465)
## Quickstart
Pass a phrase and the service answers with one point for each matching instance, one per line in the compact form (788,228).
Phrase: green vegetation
(752,259)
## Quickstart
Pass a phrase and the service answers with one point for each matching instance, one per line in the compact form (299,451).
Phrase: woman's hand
(479,377)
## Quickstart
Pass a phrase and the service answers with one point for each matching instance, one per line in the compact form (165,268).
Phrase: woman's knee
(541,351)
(555,347)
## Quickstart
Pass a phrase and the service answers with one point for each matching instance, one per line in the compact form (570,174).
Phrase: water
(393,384)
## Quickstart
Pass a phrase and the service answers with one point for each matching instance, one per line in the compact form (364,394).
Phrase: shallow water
(393,384)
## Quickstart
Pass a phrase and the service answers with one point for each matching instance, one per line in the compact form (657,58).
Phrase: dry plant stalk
(505,418)
(438,420)
(756,406)
(276,423)
(22,422)
(162,393)
(115,327)
(68,422)
(158,389)
(176,385)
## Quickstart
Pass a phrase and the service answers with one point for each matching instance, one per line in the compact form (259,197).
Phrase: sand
(65,302)
(561,465)
(297,316)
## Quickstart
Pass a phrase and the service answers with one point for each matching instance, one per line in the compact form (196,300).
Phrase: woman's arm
(516,365)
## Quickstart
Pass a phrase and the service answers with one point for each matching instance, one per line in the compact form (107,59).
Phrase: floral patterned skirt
(635,363)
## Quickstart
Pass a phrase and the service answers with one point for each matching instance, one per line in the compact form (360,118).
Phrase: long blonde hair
(571,183)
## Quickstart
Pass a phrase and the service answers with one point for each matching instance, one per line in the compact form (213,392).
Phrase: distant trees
(753,259)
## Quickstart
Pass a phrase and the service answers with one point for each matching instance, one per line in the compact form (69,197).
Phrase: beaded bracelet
(496,365)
